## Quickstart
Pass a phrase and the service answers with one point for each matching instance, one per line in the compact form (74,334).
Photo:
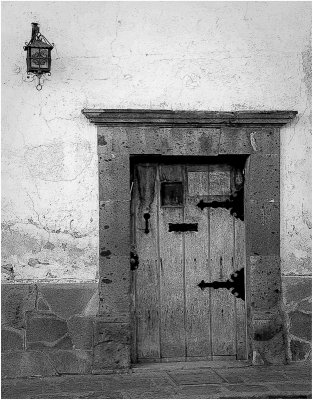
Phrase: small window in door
(172,194)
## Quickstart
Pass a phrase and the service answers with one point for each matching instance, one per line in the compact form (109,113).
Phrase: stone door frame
(254,134)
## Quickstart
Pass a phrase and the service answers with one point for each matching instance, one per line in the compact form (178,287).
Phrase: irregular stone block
(25,364)
(263,228)
(71,361)
(149,140)
(235,141)
(296,288)
(64,343)
(301,325)
(114,287)
(157,141)
(272,351)
(104,139)
(264,140)
(297,260)
(42,305)
(194,141)
(299,350)
(114,228)
(305,305)
(111,345)
(139,140)
(297,293)
(114,141)
(44,327)
(16,300)
(67,299)
(92,308)
(165,141)
(265,282)
(114,178)
(264,330)
(263,180)
(12,339)
(81,332)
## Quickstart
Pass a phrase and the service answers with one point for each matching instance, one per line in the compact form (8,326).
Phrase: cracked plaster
(200,56)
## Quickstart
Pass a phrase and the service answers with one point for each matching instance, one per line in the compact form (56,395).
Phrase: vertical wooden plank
(197,264)
(221,265)
(219,177)
(133,327)
(171,274)
(147,274)
(240,262)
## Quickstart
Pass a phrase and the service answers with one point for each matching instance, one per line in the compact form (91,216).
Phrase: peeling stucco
(34,253)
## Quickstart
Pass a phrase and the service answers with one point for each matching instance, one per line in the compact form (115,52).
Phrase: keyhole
(146,217)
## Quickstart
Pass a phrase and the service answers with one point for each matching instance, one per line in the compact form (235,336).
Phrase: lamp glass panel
(39,63)
(39,58)
(44,53)
(34,52)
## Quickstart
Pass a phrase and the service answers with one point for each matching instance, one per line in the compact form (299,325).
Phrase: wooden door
(180,244)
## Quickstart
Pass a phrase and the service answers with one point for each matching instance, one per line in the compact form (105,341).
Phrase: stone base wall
(297,293)
(51,329)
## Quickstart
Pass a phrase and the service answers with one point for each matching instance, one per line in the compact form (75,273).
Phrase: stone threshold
(188,365)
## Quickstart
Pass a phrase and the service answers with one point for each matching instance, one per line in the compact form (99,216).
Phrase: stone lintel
(170,118)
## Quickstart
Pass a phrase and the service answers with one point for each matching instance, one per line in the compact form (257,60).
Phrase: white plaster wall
(159,55)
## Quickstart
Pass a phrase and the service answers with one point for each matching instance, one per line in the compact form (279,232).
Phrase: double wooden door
(178,245)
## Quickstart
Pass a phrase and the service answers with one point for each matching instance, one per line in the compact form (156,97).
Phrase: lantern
(38,57)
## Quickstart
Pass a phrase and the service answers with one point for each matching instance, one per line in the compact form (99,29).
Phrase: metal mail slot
(182,227)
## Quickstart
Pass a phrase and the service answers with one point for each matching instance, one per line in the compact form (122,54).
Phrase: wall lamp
(38,57)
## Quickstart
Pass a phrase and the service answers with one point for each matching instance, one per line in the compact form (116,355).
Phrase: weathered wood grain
(198,343)
(240,262)
(222,301)
(147,274)
(171,275)
(223,330)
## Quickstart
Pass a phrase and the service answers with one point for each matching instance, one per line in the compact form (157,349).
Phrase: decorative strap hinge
(236,284)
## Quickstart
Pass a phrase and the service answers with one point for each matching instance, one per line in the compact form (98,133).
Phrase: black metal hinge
(236,284)
(235,204)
